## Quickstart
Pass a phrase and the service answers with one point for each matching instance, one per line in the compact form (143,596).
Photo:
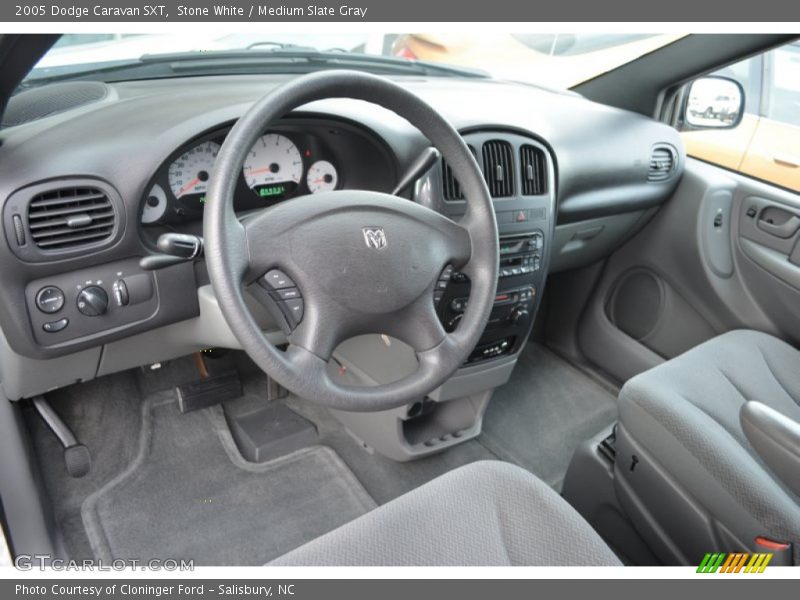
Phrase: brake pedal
(77,458)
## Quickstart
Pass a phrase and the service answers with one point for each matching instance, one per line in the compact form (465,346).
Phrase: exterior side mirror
(713,102)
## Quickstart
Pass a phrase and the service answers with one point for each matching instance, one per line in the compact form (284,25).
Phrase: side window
(748,73)
(783,96)
(766,144)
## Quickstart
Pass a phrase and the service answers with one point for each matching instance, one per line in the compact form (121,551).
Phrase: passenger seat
(708,450)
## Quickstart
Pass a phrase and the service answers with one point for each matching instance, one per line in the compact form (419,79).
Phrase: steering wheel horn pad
(364,262)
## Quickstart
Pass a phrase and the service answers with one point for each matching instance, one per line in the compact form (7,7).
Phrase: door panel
(722,254)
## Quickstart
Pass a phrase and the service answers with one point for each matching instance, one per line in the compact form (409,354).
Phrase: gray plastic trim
(589,488)
(207,330)
(23,377)
(30,526)
(383,431)
(717,225)
(584,242)
(773,261)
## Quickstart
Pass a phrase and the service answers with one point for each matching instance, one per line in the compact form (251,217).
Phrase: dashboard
(87,190)
(299,157)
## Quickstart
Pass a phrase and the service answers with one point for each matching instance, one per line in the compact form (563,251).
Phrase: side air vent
(70,217)
(662,163)
(534,173)
(451,189)
(498,168)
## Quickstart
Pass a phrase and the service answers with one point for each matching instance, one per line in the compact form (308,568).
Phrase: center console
(520,275)
(519,174)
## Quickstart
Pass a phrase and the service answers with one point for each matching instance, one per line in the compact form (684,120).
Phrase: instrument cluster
(285,162)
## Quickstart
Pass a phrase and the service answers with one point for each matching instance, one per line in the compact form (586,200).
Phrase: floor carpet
(189,494)
(544,412)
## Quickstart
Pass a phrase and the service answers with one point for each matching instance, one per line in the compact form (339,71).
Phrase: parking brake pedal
(77,457)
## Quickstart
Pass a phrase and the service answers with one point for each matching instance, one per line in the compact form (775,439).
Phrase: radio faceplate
(520,277)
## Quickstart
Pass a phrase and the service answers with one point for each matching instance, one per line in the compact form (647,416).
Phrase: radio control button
(447,274)
(278,280)
(295,308)
(289,294)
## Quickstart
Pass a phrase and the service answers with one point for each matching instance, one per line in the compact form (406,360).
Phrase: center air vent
(70,217)
(662,163)
(498,168)
(532,166)
(451,189)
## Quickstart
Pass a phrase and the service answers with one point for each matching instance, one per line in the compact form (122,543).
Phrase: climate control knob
(92,301)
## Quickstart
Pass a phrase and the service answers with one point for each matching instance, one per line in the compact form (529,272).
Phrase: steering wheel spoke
(419,325)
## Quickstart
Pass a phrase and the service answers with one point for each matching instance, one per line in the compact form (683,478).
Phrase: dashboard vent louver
(662,164)
(70,217)
(450,186)
(534,174)
(451,189)
(498,168)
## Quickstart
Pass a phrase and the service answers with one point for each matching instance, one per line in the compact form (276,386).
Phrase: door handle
(785,230)
(786,160)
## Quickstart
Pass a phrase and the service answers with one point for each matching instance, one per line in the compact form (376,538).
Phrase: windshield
(553,60)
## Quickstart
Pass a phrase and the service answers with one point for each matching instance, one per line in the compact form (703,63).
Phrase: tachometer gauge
(273,167)
(190,172)
(322,177)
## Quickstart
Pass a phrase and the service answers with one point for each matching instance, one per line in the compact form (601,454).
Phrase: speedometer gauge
(190,172)
(273,167)
(322,177)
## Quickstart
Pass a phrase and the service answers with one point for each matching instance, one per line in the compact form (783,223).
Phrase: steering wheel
(359,261)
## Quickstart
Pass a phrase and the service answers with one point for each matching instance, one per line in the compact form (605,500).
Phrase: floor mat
(544,412)
(189,494)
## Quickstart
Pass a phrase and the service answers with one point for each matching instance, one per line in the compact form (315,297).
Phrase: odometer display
(272,191)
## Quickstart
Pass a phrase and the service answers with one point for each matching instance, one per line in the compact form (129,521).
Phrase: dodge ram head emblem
(375,237)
